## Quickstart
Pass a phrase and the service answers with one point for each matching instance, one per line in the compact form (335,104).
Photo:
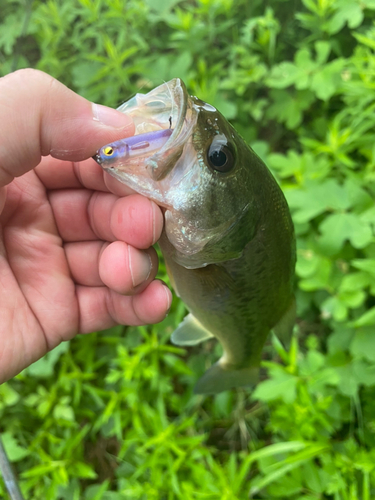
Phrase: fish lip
(97,158)
(159,168)
(145,112)
(181,98)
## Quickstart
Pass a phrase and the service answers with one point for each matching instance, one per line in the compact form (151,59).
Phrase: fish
(228,239)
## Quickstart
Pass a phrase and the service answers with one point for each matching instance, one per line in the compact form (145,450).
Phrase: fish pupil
(108,151)
(220,156)
(218,159)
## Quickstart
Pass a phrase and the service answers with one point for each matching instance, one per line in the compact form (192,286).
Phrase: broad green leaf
(327,80)
(283,387)
(44,367)
(368,318)
(283,75)
(316,198)
(14,451)
(355,281)
(349,12)
(365,265)
(334,307)
(339,227)
(8,396)
(323,49)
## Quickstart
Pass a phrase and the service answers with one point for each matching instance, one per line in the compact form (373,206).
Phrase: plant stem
(8,475)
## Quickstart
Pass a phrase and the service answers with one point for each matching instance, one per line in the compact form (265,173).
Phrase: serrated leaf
(316,198)
(283,75)
(339,227)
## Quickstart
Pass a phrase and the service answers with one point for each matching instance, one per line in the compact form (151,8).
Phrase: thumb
(40,116)
(3,194)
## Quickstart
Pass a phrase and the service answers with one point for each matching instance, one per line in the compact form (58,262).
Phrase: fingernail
(110,117)
(169,298)
(140,265)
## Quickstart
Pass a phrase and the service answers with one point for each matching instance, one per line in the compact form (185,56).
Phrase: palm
(58,273)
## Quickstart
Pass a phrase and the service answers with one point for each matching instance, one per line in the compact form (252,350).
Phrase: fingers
(126,269)
(119,266)
(83,215)
(45,117)
(3,193)
(60,174)
(102,308)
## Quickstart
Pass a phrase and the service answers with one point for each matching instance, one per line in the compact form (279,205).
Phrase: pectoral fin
(284,328)
(218,379)
(190,332)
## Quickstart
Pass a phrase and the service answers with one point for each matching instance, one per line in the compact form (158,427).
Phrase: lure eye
(219,155)
(108,150)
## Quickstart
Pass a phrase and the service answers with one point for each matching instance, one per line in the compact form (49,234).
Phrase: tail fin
(218,379)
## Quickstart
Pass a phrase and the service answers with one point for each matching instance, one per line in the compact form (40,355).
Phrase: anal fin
(190,332)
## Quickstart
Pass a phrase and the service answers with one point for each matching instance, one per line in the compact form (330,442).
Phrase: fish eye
(108,150)
(219,155)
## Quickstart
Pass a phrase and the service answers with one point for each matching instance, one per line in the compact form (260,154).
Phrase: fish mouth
(163,123)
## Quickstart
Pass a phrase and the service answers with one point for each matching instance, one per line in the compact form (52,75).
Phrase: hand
(74,243)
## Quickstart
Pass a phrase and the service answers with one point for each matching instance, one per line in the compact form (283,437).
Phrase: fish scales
(228,239)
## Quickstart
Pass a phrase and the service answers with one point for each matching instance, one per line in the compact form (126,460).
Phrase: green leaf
(363,344)
(327,80)
(44,367)
(323,49)
(8,396)
(368,318)
(334,307)
(365,40)
(316,198)
(339,227)
(63,412)
(283,75)
(285,466)
(83,471)
(354,281)
(349,12)
(14,451)
(283,387)
(365,265)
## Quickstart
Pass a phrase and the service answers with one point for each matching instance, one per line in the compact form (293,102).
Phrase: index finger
(39,116)
(58,174)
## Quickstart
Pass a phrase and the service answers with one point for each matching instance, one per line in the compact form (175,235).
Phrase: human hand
(74,242)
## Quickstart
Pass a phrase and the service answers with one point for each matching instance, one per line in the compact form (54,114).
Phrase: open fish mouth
(163,122)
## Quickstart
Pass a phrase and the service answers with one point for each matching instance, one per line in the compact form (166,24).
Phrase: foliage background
(111,415)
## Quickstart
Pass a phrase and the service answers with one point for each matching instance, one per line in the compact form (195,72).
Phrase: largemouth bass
(228,239)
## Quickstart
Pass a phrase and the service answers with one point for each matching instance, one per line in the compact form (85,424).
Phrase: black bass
(228,240)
